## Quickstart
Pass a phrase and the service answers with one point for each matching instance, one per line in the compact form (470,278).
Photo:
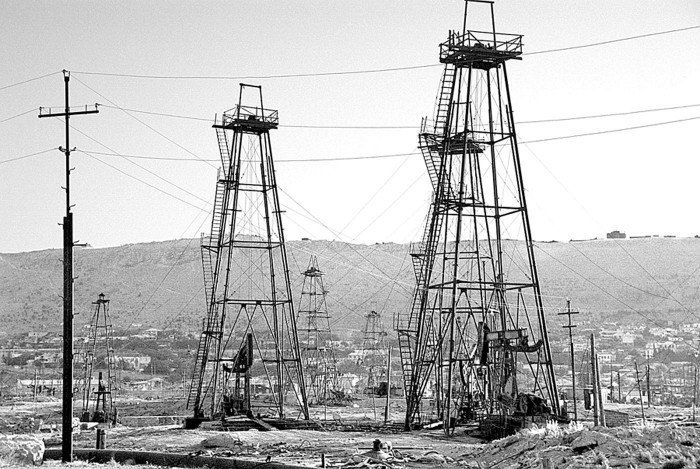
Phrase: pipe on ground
(167,459)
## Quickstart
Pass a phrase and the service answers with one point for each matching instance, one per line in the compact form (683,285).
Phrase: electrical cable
(669,295)
(612,41)
(396,155)
(367,71)
(143,182)
(300,126)
(27,81)
(135,164)
(609,131)
(308,160)
(27,156)
(146,125)
(606,292)
(382,127)
(18,115)
(612,114)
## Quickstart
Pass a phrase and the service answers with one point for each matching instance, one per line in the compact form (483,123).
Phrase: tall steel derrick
(476,334)
(248,360)
(317,353)
(98,392)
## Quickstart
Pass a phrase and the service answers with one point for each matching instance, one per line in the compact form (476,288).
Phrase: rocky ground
(665,439)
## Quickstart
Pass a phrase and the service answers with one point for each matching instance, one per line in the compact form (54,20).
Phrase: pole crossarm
(47,111)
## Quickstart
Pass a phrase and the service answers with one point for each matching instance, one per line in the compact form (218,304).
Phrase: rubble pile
(21,449)
(666,446)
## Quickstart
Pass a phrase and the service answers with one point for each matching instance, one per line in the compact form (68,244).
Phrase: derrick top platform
(248,119)
(480,49)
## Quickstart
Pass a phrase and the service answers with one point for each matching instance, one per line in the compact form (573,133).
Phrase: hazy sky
(640,181)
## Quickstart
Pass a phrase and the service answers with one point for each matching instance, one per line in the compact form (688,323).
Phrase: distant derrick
(374,351)
(99,383)
(476,333)
(313,322)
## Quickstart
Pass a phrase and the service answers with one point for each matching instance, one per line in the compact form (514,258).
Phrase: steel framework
(317,352)
(98,393)
(374,350)
(250,327)
(475,336)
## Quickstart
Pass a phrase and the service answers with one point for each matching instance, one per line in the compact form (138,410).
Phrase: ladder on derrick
(211,247)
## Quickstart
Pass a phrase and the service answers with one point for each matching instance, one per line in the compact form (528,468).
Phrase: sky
(642,181)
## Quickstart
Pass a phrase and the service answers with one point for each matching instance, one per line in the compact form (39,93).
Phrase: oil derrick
(250,328)
(475,335)
(317,352)
(98,392)
(374,352)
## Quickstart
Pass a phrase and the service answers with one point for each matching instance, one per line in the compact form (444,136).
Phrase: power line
(307,160)
(612,41)
(366,71)
(402,127)
(609,131)
(144,182)
(139,166)
(257,77)
(612,114)
(18,115)
(296,126)
(27,81)
(27,156)
(395,155)
(606,292)
(144,124)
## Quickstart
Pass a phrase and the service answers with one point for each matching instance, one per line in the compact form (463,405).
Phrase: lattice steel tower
(374,349)
(476,333)
(99,392)
(317,352)
(250,327)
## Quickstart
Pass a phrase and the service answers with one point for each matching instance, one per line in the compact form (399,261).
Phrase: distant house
(138,363)
(616,235)
(152,333)
(605,357)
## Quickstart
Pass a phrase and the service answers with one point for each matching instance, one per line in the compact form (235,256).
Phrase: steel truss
(99,392)
(374,352)
(250,328)
(476,336)
(317,352)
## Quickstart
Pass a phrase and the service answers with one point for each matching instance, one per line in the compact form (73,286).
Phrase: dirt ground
(427,448)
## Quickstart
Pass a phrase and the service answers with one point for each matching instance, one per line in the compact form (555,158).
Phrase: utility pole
(388,385)
(67,413)
(695,390)
(594,379)
(639,386)
(601,406)
(571,352)
(648,385)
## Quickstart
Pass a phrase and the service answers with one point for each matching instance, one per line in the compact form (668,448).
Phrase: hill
(160,284)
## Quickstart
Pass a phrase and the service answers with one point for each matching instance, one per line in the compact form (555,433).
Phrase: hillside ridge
(159,284)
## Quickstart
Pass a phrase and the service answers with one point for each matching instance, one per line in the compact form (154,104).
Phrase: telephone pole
(67,419)
(571,351)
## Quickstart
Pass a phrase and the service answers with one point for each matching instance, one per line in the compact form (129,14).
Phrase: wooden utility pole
(639,386)
(68,244)
(648,385)
(388,386)
(571,352)
(695,390)
(601,406)
(594,380)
